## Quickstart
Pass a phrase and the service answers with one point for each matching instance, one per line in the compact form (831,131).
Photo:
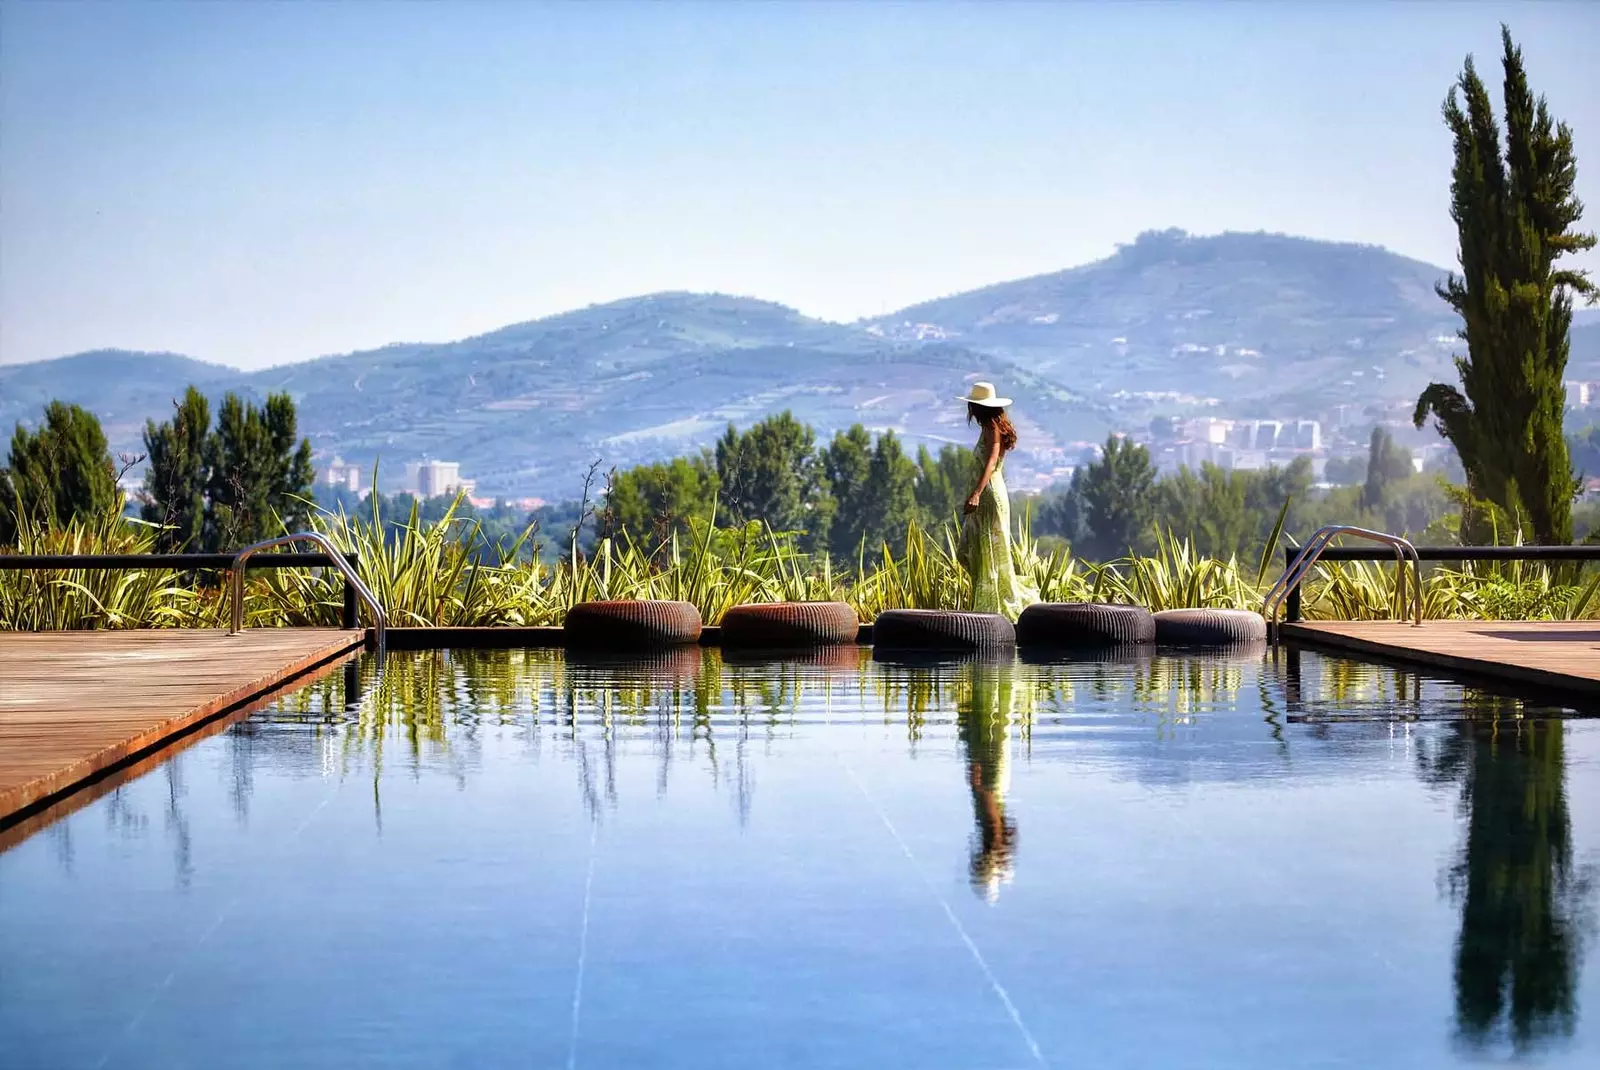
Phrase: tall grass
(446,573)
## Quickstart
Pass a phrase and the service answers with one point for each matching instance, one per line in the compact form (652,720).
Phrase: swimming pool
(511,859)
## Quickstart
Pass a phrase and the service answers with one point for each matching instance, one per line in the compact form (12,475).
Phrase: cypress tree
(1515,212)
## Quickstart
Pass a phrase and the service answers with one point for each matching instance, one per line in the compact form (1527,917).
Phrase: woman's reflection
(1521,901)
(984,724)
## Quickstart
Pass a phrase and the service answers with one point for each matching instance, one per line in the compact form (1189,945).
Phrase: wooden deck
(74,705)
(1560,655)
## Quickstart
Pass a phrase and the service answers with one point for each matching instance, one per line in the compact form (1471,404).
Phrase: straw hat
(983,394)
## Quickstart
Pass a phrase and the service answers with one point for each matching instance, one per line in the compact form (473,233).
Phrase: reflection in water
(984,727)
(1522,903)
(1162,722)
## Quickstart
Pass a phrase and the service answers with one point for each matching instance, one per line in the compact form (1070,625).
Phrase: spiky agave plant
(82,598)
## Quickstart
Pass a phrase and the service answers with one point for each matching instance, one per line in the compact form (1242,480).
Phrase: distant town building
(1242,444)
(1580,394)
(340,474)
(430,479)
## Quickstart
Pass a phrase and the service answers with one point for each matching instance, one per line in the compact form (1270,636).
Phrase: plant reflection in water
(1523,899)
(1525,905)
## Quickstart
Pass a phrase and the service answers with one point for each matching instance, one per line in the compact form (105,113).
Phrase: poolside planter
(942,631)
(1210,627)
(1084,624)
(780,625)
(631,624)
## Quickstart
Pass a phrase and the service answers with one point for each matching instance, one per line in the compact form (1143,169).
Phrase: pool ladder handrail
(380,619)
(1304,561)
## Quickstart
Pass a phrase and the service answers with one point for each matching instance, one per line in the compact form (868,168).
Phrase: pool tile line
(161,988)
(955,922)
(583,947)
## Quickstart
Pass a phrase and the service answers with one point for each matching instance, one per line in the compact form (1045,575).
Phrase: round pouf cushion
(789,624)
(631,623)
(939,629)
(1210,627)
(1063,624)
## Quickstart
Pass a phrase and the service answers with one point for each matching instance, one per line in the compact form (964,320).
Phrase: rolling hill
(527,408)
(1263,323)
(1231,325)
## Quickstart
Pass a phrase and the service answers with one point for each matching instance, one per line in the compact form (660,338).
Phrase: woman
(985,547)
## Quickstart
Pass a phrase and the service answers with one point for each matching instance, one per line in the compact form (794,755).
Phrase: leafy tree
(1118,499)
(61,471)
(1515,212)
(1388,463)
(771,472)
(175,478)
(1223,512)
(651,500)
(943,482)
(892,495)
(847,464)
(1344,471)
(1585,449)
(244,480)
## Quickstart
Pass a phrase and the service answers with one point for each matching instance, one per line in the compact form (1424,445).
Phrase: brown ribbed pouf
(631,623)
(1210,627)
(1066,624)
(942,630)
(789,624)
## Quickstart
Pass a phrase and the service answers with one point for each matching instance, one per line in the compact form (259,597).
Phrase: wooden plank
(75,704)
(1563,655)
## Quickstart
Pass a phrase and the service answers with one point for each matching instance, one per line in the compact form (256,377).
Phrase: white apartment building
(430,479)
(340,474)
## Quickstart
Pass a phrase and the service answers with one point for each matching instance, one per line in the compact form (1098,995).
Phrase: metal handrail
(1313,550)
(1306,559)
(380,619)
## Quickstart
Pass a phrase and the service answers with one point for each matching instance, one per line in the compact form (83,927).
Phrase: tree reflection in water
(984,715)
(1523,902)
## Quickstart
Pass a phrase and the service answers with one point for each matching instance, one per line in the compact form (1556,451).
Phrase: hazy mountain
(1234,325)
(120,386)
(1261,322)
(525,409)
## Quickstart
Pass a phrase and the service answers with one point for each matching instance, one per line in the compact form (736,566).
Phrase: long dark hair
(996,422)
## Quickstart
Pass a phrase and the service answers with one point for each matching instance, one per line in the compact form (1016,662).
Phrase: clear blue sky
(261,183)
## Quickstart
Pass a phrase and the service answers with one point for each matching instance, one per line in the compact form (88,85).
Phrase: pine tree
(1514,212)
(57,473)
(175,479)
(260,482)
(214,488)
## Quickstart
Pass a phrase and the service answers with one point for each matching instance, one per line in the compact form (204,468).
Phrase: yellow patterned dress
(985,547)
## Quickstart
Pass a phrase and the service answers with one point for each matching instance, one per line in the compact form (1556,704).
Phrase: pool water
(507,859)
